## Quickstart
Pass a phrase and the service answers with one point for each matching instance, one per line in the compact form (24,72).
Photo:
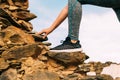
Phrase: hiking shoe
(67,46)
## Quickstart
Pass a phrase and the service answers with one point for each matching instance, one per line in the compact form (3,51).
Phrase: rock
(107,64)
(38,37)
(42,58)
(47,43)
(69,57)
(4,23)
(52,65)
(73,76)
(25,55)
(107,77)
(24,15)
(99,77)
(1,39)
(44,75)
(4,14)
(22,51)
(35,64)
(117,78)
(83,68)
(22,4)
(12,8)
(98,67)
(3,4)
(15,64)
(113,70)
(26,25)
(16,35)
(10,2)
(31,65)
(92,68)
(3,64)
(91,73)
(10,74)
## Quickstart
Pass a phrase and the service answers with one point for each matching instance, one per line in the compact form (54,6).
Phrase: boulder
(14,35)
(10,74)
(117,78)
(3,64)
(30,65)
(99,77)
(69,57)
(4,23)
(6,15)
(26,25)
(24,15)
(18,52)
(42,75)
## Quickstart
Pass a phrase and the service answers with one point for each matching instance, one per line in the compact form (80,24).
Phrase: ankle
(74,41)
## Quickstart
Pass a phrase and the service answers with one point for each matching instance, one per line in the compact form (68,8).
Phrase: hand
(45,32)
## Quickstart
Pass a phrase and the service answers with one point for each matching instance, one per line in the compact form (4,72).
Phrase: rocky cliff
(25,55)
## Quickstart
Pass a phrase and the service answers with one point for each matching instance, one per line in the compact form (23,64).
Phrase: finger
(45,35)
(40,32)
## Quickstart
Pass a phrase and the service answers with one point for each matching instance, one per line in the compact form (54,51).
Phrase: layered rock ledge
(25,55)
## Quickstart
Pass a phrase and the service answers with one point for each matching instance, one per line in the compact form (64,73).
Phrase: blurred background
(99,30)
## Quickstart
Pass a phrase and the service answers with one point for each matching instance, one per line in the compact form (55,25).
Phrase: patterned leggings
(75,13)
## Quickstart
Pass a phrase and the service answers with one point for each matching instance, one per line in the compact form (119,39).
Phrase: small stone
(47,43)
(10,74)
(39,38)
(13,8)
(3,64)
(4,23)
(83,68)
(42,58)
(117,78)
(26,25)
(91,73)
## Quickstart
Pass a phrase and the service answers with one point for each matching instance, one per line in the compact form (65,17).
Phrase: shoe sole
(68,50)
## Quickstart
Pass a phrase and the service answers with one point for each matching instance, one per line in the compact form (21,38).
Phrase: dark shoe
(67,46)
